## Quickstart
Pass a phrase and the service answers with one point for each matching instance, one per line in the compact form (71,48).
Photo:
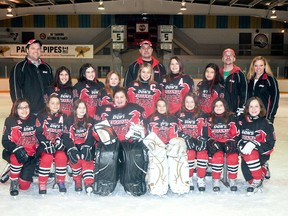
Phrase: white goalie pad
(105,132)
(178,166)
(157,173)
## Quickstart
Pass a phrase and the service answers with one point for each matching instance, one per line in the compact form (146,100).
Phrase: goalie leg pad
(157,173)
(134,168)
(106,168)
(178,170)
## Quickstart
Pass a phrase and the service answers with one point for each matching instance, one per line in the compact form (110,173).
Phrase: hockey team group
(151,134)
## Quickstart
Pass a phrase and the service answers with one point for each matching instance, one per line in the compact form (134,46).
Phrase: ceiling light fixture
(273,14)
(9,12)
(101,5)
(183,6)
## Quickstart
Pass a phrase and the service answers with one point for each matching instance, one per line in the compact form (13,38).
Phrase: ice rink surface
(273,201)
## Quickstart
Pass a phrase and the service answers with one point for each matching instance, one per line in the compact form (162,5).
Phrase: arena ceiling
(257,8)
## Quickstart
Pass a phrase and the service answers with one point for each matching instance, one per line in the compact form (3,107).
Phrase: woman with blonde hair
(262,84)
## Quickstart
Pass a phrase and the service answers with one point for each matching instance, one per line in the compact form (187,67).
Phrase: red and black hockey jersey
(222,131)
(120,118)
(260,130)
(77,136)
(175,91)
(165,126)
(88,92)
(65,95)
(192,124)
(206,94)
(20,132)
(144,95)
(49,127)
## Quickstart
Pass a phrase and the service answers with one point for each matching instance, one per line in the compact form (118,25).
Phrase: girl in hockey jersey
(210,88)
(223,133)
(193,124)
(20,143)
(87,88)
(80,144)
(49,133)
(62,87)
(176,85)
(124,117)
(262,84)
(144,91)
(256,143)
(112,82)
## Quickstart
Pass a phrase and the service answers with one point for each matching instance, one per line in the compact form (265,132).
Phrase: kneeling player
(20,142)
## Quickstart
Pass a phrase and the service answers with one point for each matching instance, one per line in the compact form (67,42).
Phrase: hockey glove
(48,147)
(248,148)
(213,147)
(231,146)
(21,154)
(240,111)
(85,152)
(59,146)
(201,144)
(73,155)
(189,142)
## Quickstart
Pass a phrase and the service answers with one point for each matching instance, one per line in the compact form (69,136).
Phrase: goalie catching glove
(20,154)
(136,132)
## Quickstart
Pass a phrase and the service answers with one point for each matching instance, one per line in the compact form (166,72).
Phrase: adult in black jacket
(30,77)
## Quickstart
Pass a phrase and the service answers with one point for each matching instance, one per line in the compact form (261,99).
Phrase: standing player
(80,144)
(210,88)
(223,133)
(176,85)
(87,88)
(49,133)
(62,87)
(193,124)
(144,91)
(20,143)
(112,82)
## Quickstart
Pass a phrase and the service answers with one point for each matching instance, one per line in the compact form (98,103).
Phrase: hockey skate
(216,185)
(14,187)
(78,186)
(42,188)
(255,186)
(62,187)
(268,173)
(201,184)
(89,189)
(233,185)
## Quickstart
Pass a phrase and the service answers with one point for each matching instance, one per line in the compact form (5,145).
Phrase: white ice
(273,201)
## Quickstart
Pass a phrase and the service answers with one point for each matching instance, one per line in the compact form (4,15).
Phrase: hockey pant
(106,163)
(133,166)
(252,165)
(157,173)
(46,161)
(178,168)
(22,172)
(202,161)
(83,169)
(217,162)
